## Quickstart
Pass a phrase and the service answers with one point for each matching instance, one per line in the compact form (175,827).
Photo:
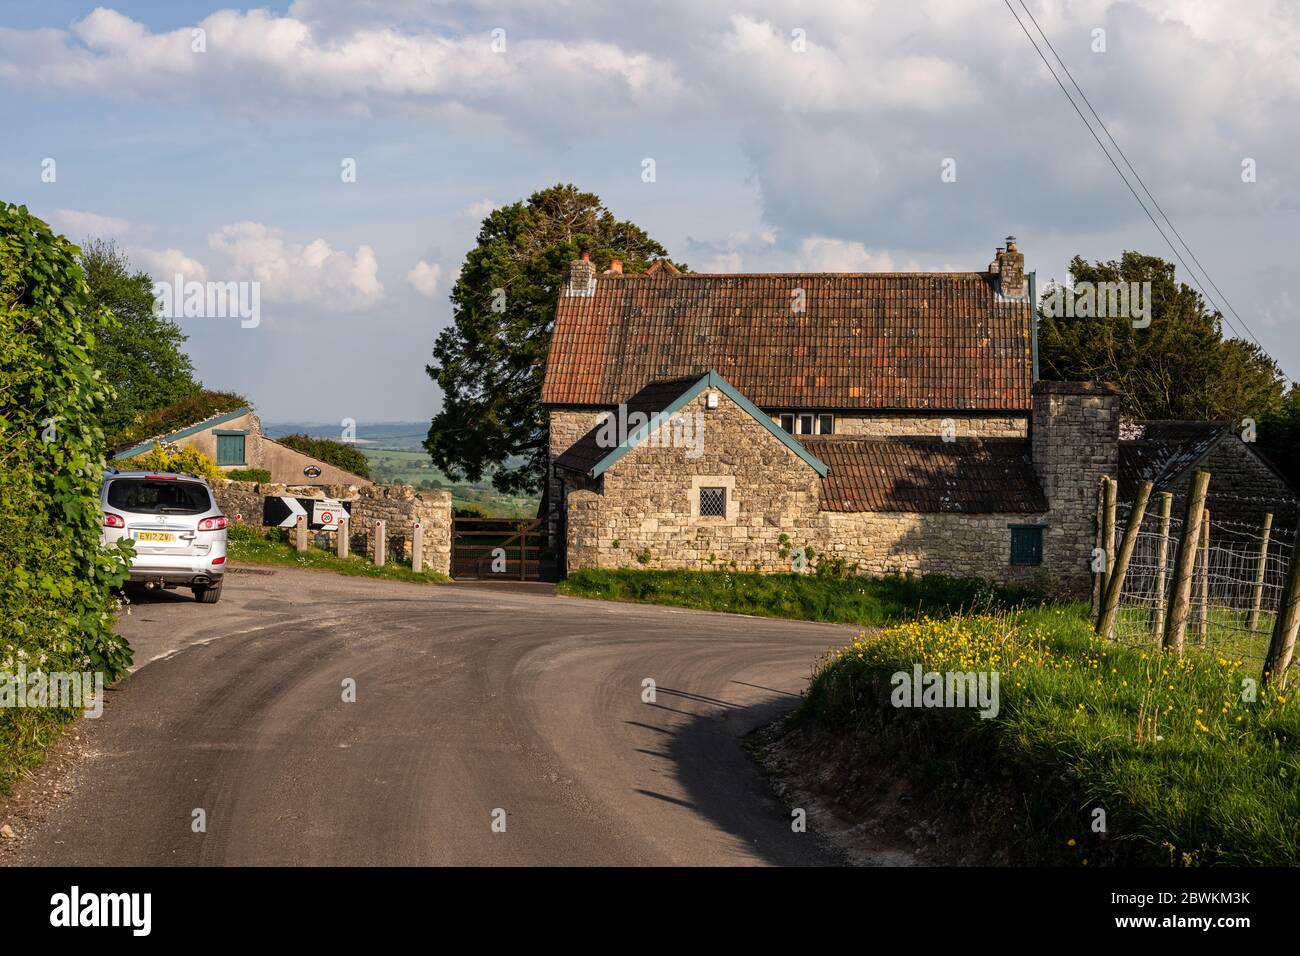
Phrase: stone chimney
(616,267)
(582,276)
(1074,436)
(1009,266)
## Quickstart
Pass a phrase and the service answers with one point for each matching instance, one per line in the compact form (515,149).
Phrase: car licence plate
(166,537)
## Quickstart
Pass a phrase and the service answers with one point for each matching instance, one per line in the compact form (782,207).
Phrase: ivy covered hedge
(163,421)
(336,453)
(56,608)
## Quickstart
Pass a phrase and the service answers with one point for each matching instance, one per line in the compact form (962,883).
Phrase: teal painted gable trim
(143,447)
(715,381)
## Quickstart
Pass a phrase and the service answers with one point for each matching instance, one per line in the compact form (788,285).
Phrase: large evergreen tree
(140,355)
(1179,367)
(490,361)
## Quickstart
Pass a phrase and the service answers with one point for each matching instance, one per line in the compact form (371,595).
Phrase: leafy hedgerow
(56,604)
(336,453)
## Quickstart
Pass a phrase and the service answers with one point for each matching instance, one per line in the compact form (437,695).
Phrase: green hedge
(336,453)
(56,606)
(248,474)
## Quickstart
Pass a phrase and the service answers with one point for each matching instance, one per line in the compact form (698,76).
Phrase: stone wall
(401,506)
(648,501)
(566,426)
(1075,438)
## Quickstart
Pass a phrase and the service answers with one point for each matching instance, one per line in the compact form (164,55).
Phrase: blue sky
(225,163)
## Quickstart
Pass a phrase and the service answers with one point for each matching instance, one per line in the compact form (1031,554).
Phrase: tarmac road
(470,698)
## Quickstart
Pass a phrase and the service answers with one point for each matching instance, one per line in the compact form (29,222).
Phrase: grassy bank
(252,546)
(1185,770)
(808,597)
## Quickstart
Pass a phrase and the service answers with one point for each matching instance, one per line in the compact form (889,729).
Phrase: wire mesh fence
(1237,585)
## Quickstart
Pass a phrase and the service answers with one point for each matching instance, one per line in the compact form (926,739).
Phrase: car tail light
(220,560)
(212,524)
(162,477)
(113,521)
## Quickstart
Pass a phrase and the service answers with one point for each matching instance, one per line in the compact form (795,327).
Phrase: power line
(1124,156)
(1186,268)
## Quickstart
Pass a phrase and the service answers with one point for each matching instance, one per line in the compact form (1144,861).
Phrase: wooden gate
(501,549)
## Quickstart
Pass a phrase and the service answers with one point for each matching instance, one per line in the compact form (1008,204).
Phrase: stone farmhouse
(891,421)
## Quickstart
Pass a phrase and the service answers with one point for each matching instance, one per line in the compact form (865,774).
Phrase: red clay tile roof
(927,475)
(919,341)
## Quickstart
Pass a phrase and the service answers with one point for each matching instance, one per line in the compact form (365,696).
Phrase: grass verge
(1170,754)
(861,600)
(247,545)
(26,736)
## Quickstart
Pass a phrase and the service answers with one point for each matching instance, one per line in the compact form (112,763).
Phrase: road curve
(469,699)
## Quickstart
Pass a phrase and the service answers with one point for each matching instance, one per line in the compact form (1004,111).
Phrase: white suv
(177,528)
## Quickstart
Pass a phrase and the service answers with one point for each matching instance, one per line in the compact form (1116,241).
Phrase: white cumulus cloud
(424,277)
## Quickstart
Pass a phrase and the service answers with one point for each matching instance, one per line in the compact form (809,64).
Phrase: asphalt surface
(470,699)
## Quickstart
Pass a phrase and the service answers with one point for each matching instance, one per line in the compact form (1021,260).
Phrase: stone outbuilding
(234,440)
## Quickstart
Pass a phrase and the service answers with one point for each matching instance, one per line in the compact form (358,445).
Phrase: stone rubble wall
(401,506)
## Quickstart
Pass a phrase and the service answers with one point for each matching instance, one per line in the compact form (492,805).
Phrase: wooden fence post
(1282,646)
(1203,581)
(380,546)
(300,533)
(1162,564)
(1184,561)
(1110,605)
(343,542)
(417,548)
(1099,577)
(1108,539)
(1257,599)
(523,552)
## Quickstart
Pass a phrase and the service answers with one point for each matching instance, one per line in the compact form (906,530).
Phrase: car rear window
(158,496)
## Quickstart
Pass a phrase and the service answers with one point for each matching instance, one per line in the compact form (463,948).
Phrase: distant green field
(396,454)
(390,466)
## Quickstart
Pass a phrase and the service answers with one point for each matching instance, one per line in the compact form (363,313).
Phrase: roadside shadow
(137,595)
(723,783)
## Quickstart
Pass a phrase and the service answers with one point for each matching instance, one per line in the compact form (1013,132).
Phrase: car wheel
(207,595)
